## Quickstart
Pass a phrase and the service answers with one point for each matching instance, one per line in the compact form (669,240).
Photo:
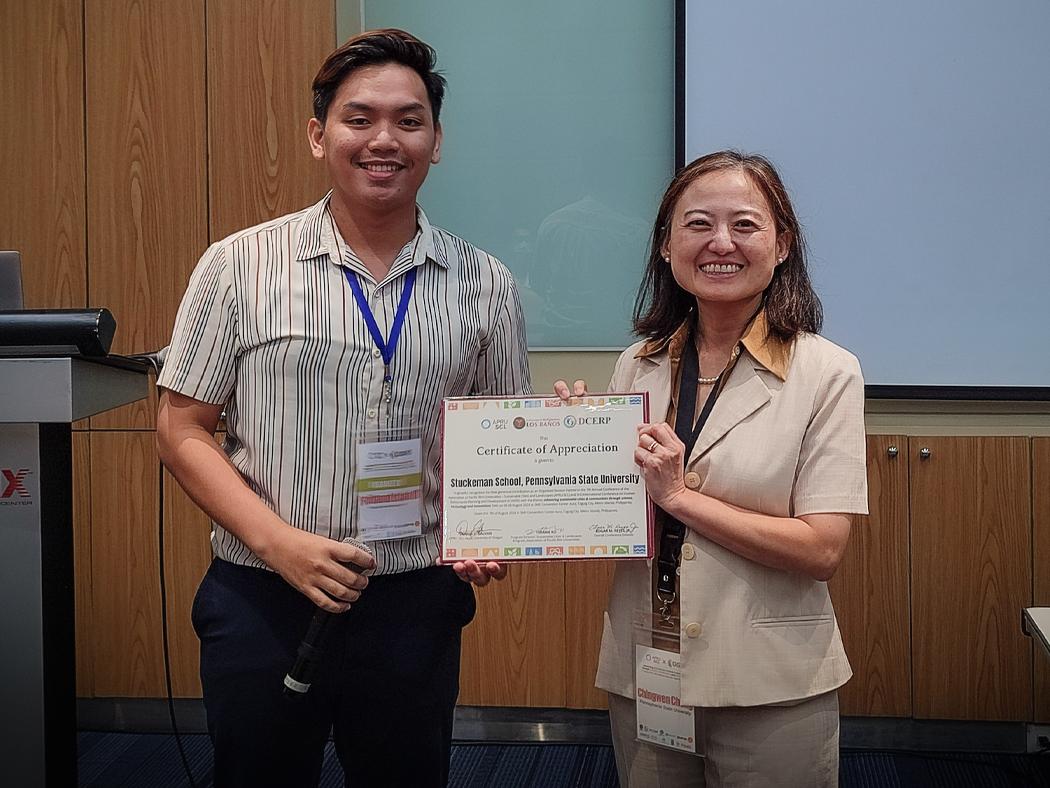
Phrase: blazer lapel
(744,393)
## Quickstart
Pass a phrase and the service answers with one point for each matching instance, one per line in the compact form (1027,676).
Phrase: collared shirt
(269,328)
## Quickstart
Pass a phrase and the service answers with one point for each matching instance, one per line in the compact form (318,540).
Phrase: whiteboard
(914,136)
(558,141)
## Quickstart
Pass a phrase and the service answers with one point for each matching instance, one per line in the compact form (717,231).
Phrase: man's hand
(479,574)
(314,565)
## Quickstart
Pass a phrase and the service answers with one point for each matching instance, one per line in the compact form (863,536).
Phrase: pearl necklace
(732,358)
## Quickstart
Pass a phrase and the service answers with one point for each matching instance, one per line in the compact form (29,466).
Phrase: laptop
(11,281)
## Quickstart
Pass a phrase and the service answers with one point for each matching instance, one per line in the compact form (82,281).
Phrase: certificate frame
(538,478)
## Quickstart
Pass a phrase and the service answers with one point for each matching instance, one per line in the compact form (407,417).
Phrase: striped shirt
(269,328)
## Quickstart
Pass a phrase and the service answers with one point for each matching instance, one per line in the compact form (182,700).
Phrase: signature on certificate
(463,528)
(613,529)
(547,530)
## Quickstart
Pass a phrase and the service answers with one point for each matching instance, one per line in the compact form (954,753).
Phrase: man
(324,335)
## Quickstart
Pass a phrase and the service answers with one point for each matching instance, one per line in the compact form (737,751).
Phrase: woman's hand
(659,454)
(479,574)
(561,388)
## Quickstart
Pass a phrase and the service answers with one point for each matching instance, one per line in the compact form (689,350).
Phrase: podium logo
(14,483)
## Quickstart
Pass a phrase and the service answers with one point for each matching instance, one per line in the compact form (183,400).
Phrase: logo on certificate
(570,421)
(453,406)
(533,551)
(556,550)
(619,549)
(639,549)
(450,552)
(577,549)
(490,552)
(511,551)
(599,549)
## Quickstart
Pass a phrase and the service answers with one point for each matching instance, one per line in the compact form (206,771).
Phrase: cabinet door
(1041,562)
(125,593)
(514,651)
(971,575)
(871,590)
(586,595)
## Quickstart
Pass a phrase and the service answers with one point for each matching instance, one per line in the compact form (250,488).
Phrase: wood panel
(587,586)
(187,554)
(262,57)
(146,169)
(871,590)
(971,575)
(124,565)
(42,147)
(82,563)
(1041,568)
(514,651)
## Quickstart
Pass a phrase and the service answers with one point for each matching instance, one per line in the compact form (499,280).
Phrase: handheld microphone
(298,680)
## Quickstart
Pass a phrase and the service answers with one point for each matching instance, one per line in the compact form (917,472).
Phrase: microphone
(298,680)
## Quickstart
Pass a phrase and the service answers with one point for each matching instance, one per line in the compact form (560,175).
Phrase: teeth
(381,167)
(724,268)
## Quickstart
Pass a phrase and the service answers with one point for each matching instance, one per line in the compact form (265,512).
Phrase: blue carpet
(126,760)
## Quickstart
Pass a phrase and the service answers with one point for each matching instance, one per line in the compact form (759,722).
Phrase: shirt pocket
(793,621)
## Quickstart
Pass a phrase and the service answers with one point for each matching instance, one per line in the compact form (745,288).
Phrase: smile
(380,166)
(721,268)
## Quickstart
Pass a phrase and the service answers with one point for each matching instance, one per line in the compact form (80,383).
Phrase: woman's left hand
(659,455)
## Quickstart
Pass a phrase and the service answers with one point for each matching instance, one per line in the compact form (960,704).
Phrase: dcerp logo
(14,483)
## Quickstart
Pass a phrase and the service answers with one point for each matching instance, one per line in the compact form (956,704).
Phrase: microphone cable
(156,360)
(164,632)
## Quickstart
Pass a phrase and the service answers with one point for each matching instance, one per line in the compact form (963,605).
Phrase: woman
(762,503)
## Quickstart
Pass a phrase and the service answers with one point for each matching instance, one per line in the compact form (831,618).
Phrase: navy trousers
(385,690)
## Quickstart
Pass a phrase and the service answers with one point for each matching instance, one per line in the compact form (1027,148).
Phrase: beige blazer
(784,444)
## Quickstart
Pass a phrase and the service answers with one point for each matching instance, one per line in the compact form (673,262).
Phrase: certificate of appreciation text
(539,478)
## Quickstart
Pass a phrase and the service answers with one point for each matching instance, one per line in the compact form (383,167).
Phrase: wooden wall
(134,133)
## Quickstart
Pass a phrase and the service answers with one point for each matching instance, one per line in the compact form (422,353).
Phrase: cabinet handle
(891,452)
(924,453)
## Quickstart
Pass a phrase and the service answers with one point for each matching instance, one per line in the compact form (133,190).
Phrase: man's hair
(790,303)
(376,48)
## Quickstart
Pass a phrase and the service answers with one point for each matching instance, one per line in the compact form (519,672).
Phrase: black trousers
(385,690)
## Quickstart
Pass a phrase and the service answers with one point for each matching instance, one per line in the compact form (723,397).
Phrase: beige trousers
(769,746)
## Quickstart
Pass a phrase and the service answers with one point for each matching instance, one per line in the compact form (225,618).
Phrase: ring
(653,445)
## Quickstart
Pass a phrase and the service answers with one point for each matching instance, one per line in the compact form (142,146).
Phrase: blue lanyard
(387,347)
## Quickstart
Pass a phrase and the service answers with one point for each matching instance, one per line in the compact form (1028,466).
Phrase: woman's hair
(789,301)
(377,48)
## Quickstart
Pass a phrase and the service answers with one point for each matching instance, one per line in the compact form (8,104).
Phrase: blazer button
(692,630)
(688,552)
(692,480)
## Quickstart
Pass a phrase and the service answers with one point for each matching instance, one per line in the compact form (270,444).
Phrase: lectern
(40,398)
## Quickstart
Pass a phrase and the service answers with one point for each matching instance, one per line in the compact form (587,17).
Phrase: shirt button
(371,413)
(692,480)
(692,630)
(376,353)
(688,552)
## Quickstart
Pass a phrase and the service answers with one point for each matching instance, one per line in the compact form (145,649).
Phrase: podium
(40,398)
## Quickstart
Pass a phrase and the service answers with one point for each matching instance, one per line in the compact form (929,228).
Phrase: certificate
(539,478)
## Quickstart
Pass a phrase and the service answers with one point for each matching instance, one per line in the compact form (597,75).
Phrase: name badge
(662,719)
(389,489)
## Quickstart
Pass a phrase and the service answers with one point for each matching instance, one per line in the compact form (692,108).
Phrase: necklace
(732,358)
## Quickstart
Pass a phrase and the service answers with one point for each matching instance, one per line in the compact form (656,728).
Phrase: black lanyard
(674,531)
